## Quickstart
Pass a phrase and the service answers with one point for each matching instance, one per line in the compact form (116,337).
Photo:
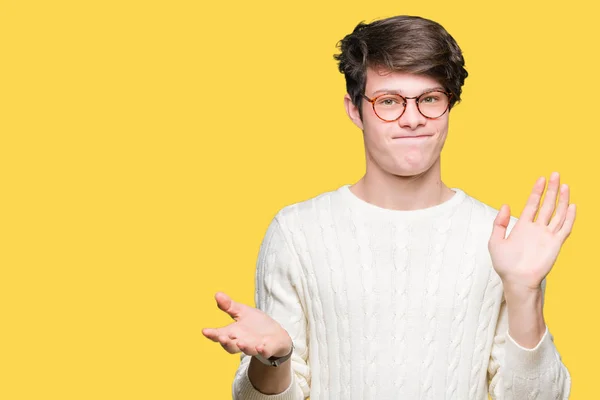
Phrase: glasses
(390,107)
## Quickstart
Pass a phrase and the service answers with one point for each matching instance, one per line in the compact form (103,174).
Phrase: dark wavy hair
(403,44)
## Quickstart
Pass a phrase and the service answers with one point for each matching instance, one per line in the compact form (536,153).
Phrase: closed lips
(403,137)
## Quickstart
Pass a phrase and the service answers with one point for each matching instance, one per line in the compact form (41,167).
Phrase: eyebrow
(399,91)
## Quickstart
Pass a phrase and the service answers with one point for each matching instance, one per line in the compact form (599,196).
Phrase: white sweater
(388,304)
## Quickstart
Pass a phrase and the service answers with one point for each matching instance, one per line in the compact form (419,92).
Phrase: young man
(399,287)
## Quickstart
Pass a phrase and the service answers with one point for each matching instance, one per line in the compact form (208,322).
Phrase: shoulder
(309,211)
(483,214)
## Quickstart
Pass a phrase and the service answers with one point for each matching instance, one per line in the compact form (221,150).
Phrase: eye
(388,101)
(430,99)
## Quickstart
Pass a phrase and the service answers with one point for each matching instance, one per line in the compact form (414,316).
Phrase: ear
(352,112)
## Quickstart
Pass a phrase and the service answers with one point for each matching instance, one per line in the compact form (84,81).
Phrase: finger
(269,347)
(211,334)
(226,304)
(561,211)
(228,344)
(248,344)
(531,207)
(500,224)
(214,334)
(566,228)
(549,200)
(264,350)
(247,347)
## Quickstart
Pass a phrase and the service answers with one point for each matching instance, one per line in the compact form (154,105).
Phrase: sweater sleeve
(516,372)
(278,294)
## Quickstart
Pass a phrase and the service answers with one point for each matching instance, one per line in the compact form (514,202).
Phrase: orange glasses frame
(372,101)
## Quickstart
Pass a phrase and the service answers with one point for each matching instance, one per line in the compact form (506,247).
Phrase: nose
(412,117)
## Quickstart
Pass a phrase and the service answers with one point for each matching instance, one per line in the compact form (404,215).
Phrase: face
(409,146)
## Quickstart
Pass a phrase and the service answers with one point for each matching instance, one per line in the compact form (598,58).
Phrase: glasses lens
(389,107)
(433,104)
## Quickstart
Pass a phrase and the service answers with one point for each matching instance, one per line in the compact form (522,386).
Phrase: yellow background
(145,146)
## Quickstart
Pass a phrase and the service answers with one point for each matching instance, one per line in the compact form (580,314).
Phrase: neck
(403,192)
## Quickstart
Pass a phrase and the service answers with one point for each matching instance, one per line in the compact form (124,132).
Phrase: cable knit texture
(387,304)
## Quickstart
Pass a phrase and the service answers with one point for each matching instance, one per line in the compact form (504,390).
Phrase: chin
(407,172)
(410,170)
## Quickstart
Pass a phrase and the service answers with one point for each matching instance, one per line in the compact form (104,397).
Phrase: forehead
(402,82)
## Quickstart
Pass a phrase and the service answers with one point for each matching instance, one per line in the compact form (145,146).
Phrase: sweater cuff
(245,390)
(529,363)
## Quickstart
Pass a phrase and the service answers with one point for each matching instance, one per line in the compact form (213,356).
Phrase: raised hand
(252,333)
(527,255)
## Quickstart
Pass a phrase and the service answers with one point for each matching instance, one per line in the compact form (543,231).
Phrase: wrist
(275,360)
(517,290)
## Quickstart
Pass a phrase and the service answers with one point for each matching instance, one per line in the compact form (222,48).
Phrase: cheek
(441,131)
(378,143)
(377,135)
(441,134)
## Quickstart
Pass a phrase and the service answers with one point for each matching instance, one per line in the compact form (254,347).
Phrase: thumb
(226,304)
(500,224)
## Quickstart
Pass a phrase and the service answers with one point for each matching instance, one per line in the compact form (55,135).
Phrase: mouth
(414,137)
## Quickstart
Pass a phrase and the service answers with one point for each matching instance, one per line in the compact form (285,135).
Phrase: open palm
(528,254)
(252,333)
